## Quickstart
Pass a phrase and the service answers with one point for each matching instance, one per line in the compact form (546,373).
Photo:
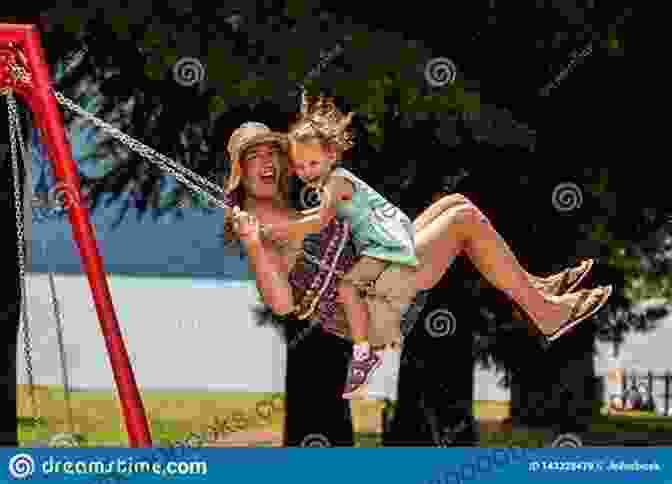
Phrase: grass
(174,415)
(171,415)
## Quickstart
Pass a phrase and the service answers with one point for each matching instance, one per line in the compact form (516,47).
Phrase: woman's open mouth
(267,176)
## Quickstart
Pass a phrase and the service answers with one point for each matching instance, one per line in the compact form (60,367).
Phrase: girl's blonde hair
(321,120)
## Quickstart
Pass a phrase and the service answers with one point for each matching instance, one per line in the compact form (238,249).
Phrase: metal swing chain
(173,168)
(151,155)
(14,134)
(178,171)
(61,347)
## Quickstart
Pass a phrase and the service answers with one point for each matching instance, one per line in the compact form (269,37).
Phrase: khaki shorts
(394,288)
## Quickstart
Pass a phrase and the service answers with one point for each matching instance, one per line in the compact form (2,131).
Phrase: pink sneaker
(359,375)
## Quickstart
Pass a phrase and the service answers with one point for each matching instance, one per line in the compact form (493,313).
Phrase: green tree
(253,58)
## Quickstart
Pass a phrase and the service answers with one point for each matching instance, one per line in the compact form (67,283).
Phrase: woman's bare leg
(437,208)
(454,200)
(463,228)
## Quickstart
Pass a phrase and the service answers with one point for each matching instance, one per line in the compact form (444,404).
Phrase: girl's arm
(336,190)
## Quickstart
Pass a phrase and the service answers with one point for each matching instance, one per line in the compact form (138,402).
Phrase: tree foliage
(482,134)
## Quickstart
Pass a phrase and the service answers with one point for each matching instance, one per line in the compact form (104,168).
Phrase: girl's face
(310,160)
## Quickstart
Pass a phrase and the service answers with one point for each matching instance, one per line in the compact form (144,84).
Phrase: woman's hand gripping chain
(249,229)
(246,226)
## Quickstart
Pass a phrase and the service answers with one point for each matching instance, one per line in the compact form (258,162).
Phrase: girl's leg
(357,312)
(463,228)
(553,284)
(365,361)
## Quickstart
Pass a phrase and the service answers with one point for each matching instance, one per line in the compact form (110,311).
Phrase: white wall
(177,336)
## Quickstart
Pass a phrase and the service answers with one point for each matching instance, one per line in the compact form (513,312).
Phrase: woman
(258,184)
(450,227)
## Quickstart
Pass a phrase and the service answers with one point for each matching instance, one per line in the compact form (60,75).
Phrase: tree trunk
(559,390)
(317,367)
(436,378)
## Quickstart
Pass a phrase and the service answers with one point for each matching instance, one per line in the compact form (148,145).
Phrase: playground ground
(227,419)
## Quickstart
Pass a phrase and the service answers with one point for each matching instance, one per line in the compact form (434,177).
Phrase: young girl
(382,234)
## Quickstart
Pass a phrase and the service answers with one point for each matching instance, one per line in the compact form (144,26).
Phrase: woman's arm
(272,282)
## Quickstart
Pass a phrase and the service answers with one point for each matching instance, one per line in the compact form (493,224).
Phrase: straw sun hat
(245,137)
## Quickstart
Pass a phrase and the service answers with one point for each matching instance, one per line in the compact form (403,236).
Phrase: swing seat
(67,439)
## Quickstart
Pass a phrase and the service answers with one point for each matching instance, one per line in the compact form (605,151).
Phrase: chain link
(14,135)
(179,172)
(61,346)
(173,167)
(151,155)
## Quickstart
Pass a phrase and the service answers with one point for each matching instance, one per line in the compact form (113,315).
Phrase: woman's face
(261,170)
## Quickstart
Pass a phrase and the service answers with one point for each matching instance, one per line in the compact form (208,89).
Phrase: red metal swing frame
(20,45)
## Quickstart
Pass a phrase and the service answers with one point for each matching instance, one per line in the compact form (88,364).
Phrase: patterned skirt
(394,306)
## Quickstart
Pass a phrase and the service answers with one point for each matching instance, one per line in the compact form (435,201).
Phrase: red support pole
(43,103)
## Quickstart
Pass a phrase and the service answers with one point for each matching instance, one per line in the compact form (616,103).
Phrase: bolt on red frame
(20,46)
